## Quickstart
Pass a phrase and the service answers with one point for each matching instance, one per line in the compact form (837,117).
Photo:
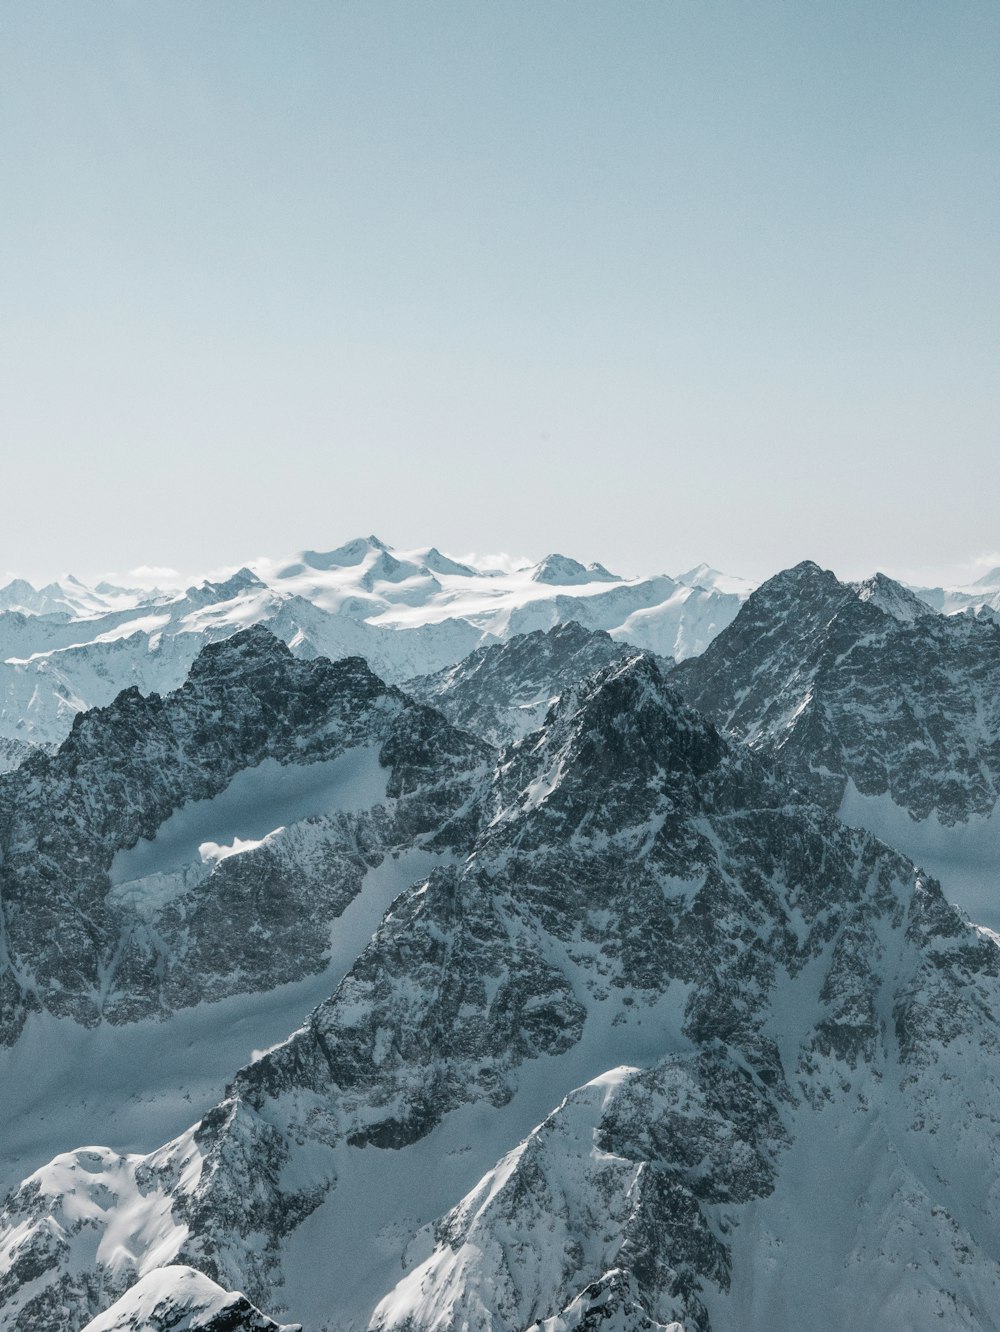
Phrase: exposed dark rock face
(503,691)
(80,945)
(863,684)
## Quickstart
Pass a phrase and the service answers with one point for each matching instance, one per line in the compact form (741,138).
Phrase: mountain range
(551,980)
(65,647)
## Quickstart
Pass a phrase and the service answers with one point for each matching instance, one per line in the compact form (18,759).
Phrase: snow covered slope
(179,1299)
(786,1046)
(67,648)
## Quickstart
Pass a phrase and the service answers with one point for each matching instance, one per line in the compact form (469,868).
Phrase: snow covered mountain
(981,596)
(66,648)
(668,1048)
(877,707)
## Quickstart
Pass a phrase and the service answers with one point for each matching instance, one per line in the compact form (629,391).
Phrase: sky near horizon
(648,283)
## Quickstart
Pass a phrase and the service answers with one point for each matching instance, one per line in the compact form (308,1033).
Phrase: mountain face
(502,692)
(181,849)
(67,648)
(668,1048)
(857,685)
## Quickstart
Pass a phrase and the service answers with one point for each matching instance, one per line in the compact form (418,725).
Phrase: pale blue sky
(647,282)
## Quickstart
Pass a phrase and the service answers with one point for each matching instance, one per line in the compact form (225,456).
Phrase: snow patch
(254,806)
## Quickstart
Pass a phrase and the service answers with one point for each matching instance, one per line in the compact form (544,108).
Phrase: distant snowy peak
(893,598)
(703,575)
(378,560)
(348,556)
(20,595)
(244,580)
(565,572)
(70,598)
(983,593)
(437,563)
(989,582)
(407,612)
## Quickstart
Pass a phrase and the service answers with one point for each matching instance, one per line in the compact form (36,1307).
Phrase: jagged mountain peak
(611,750)
(811,604)
(21,595)
(710,579)
(601,575)
(649,897)
(806,597)
(254,744)
(563,571)
(503,690)
(437,563)
(806,588)
(17,587)
(860,688)
(630,709)
(629,686)
(893,598)
(243,580)
(255,647)
(805,579)
(176,1298)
